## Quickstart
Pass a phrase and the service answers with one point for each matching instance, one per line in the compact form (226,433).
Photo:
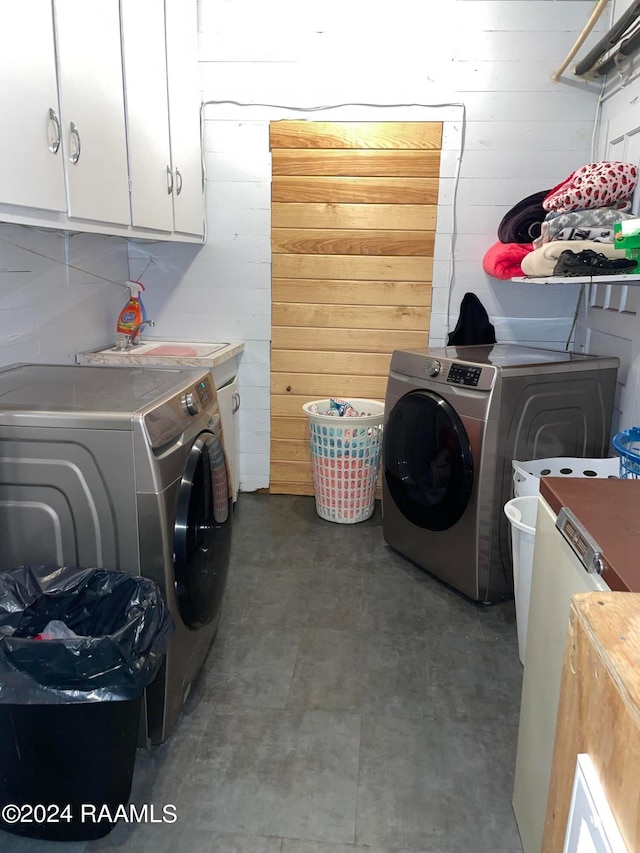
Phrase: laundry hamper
(627,446)
(526,475)
(345,457)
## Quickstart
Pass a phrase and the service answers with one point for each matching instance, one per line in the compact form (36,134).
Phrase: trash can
(77,649)
(345,456)
(521,512)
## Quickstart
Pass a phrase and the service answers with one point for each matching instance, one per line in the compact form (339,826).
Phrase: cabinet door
(152,180)
(229,402)
(91,91)
(184,115)
(31,167)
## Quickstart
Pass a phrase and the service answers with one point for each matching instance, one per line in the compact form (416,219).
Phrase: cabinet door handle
(236,402)
(169,180)
(75,136)
(178,181)
(53,132)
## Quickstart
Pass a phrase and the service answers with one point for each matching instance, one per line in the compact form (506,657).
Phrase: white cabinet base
(229,402)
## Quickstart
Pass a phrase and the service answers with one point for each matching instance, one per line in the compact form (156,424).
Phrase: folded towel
(602,184)
(597,235)
(503,260)
(542,261)
(591,218)
(522,223)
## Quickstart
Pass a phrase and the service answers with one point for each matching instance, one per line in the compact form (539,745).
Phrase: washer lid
(488,360)
(505,355)
(86,395)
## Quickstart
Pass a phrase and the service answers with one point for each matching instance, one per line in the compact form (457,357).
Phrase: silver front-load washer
(455,418)
(122,468)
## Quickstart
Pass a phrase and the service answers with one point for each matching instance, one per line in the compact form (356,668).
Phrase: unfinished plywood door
(353,228)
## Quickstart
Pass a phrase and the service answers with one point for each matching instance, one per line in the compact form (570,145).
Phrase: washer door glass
(428,465)
(202,535)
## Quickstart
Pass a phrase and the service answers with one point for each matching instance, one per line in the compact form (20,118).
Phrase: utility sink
(170,349)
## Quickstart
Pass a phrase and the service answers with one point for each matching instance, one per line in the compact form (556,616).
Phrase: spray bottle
(133,313)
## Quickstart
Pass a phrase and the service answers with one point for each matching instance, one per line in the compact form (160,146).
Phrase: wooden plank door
(353,228)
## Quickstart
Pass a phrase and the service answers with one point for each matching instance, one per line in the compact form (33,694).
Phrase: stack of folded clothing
(568,230)
(516,233)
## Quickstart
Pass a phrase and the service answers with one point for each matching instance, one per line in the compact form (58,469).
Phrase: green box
(626,235)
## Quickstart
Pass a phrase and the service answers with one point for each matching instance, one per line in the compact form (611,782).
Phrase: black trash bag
(124,628)
(473,326)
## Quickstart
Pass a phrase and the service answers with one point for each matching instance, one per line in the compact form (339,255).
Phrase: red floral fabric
(603,184)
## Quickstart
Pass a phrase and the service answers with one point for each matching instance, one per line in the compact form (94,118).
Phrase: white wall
(48,309)
(522,134)
(611,323)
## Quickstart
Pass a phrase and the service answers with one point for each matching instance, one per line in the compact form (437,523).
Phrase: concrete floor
(349,703)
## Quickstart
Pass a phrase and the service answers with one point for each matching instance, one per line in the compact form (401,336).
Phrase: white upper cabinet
(163,114)
(147,113)
(100,125)
(184,115)
(92,114)
(31,167)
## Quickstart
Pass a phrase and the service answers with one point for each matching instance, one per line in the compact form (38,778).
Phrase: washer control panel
(435,369)
(190,404)
(464,374)
(171,418)
(204,390)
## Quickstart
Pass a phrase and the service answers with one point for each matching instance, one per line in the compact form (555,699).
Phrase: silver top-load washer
(455,418)
(122,468)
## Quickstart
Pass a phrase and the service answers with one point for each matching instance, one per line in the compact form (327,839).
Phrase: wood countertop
(609,509)
(599,712)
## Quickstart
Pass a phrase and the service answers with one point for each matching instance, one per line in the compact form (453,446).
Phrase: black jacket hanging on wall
(473,326)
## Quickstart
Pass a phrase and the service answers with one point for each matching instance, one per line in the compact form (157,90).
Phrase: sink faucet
(135,334)
(125,342)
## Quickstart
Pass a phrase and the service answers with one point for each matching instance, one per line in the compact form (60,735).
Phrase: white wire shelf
(578,279)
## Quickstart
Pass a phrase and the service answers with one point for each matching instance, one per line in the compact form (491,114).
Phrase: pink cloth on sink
(185,351)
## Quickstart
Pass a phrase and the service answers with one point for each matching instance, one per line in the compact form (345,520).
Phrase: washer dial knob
(191,404)
(434,368)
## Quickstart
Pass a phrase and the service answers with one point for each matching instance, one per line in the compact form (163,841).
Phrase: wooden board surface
(350,316)
(349,340)
(366,135)
(291,428)
(599,712)
(373,216)
(350,363)
(339,241)
(347,267)
(361,164)
(290,405)
(351,292)
(353,231)
(361,191)
(324,385)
